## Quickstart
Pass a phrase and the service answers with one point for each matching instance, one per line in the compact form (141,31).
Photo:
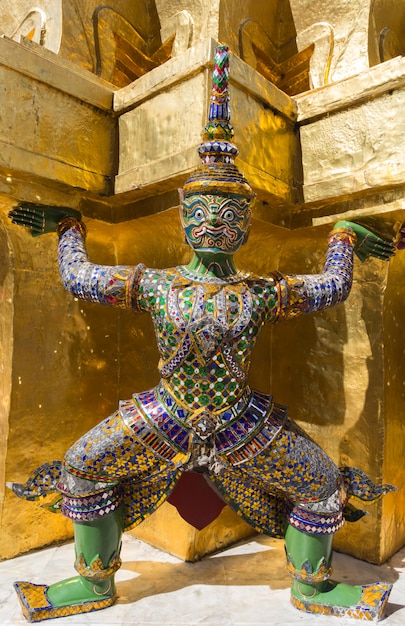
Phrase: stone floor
(244,585)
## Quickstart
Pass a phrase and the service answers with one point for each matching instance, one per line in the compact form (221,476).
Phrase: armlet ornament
(343,234)
(68,222)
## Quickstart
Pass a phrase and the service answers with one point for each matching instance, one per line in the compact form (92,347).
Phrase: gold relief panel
(167,110)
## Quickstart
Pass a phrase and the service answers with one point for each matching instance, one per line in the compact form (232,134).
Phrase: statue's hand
(40,218)
(369,244)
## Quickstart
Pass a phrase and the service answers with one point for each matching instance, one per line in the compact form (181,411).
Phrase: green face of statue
(214,223)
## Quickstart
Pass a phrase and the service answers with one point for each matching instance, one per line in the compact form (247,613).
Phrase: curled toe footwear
(370,607)
(36,606)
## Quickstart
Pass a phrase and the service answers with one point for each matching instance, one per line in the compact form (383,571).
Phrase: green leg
(97,547)
(309,558)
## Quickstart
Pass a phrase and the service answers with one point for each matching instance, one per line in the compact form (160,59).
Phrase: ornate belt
(239,432)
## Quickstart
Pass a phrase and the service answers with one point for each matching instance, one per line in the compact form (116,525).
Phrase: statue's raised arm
(314,292)
(104,284)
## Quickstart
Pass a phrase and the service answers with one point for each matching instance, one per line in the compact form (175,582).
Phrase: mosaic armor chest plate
(206,332)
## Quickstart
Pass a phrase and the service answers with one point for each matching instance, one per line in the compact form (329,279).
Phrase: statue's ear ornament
(181,195)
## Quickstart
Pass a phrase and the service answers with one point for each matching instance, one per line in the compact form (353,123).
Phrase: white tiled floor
(244,585)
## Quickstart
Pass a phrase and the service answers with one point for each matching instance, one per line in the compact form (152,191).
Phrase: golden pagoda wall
(393,509)
(64,359)
(57,138)
(333,152)
(166,110)
(77,149)
(352,134)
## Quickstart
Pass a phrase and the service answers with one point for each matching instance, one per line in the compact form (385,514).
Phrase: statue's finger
(31,206)
(32,224)
(16,211)
(382,254)
(20,219)
(27,213)
(380,245)
(24,224)
(26,208)
(361,255)
(29,218)
(390,250)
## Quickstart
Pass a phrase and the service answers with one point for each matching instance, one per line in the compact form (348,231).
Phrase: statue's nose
(213,219)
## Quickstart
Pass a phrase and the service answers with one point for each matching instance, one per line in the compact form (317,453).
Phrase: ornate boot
(97,547)
(309,559)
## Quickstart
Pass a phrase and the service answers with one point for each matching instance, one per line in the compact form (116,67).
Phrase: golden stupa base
(167,530)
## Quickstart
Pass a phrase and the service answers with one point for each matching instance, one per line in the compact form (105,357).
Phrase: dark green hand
(40,218)
(369,244)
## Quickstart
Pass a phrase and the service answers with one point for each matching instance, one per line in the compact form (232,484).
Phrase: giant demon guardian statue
(203,414)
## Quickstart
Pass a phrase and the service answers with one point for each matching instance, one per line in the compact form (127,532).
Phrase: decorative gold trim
(343,233)
(68,222)
(306,574)
(306,595)
(96,570)
(105,592)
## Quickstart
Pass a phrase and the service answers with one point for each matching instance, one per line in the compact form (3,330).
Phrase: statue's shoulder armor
(268,290)
(153,282)
(263,285)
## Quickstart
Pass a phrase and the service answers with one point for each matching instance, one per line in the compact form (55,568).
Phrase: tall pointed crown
(217,172)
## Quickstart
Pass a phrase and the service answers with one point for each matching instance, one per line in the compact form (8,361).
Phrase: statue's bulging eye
(229,215)
(199,215)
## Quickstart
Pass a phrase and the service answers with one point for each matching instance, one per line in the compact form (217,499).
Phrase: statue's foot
(77,590)
(68,597)
(360,602)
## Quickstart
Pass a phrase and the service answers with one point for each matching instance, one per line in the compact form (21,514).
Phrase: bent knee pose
(203,414)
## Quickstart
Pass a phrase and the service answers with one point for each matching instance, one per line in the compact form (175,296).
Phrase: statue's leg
(315,493)
(96,469)
(309,558)
(97,548)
